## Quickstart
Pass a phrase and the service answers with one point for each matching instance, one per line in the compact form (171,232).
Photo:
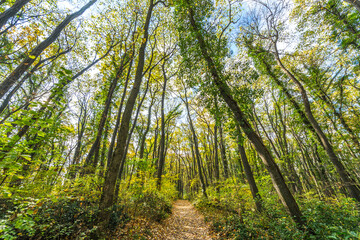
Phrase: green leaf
(41,134)
(27,157)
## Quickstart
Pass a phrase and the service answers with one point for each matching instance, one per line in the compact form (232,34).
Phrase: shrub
(153,206)
(63,219)
(330,219)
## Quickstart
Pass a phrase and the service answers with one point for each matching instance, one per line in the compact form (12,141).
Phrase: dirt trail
(185,223)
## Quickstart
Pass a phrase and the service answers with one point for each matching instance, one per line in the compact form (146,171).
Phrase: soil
(185,223)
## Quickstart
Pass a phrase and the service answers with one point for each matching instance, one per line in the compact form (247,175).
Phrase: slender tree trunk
(248,172)
(278,180)
(162,138)
(223,153)
(12,11)
(156,133)
(354,3)
(349,183)
(197,152)
(114,166)
(81,130)
(143,138)
(216,154)
(104,148)
(30,59)
(94,150)
(123,160)
(118,117)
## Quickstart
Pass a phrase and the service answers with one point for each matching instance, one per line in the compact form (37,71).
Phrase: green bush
(62,219)
(337,220)
(330,219)
(153,206)
(118,217)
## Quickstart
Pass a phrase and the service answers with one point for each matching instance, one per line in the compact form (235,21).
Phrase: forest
(180,119)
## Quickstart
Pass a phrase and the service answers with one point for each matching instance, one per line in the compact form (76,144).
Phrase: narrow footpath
(185,223)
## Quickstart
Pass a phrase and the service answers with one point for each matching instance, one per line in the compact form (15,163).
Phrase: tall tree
(31,58)
(282,189)
(114,166)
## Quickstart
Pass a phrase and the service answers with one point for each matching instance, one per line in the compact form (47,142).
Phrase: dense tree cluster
(208,99)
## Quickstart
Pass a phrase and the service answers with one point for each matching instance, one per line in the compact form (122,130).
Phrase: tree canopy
(111,110)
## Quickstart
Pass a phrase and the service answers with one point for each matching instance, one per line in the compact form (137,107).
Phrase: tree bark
(81,129)
(248,172)
(216,154)
(123,160)
(162,137)
(12,11)
(118,117)
(96,144)
(223,153)
(114,165)
(143,138)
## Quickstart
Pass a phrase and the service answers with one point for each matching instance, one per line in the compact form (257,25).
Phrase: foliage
(44,218)
(331,219)
(290,66)
(153,206)
(144,199)
(60,218)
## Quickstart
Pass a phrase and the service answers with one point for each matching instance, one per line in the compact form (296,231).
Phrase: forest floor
(185,222)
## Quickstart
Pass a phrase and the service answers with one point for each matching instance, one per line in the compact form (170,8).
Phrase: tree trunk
(105,114)
(118,117)
(354,3)
(30,59)
(114,165)
(81,130)
(156,133)
(197,152)
(248,172)
(10,12)
(348,183)
(104,148)
(143,138)
(223,153)
(216,154)
(123,160)
(279,183)
(162,138)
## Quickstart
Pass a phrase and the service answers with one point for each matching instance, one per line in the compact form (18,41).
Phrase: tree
(114,166)
(276,176)
(31,58)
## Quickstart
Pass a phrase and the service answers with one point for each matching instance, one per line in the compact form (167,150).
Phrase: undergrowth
(232,216)
(71,210)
